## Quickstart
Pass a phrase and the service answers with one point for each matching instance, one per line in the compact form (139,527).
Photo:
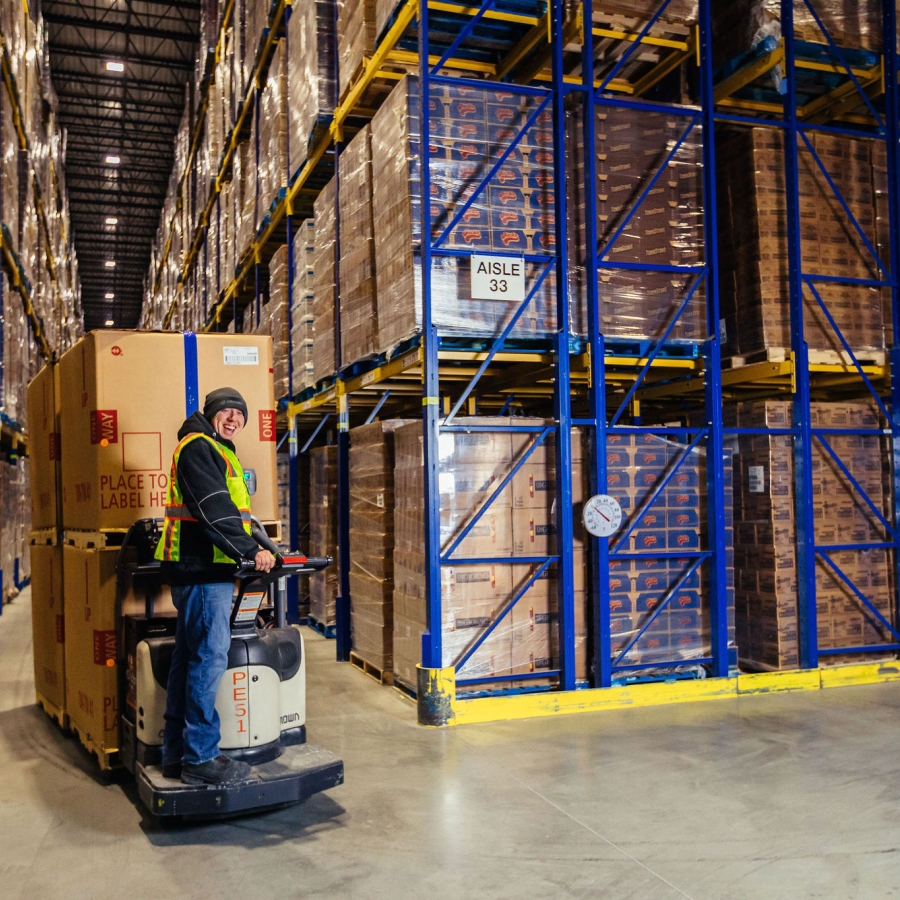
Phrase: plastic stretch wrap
(324,284)
(740,25)
(641,219)
(766,611)
(9,172)
(355,38)
(519,522)
(245,181)
(273,134)
(274,319)
(359,323)
(323,532)
(753,242)
(513,213)
(13,531)
(311,86)
(302,318)
(372,541)
(675,520)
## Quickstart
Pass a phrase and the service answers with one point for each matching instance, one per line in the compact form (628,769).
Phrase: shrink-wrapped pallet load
(372,542)
(766,610)
(741,25)
(325,296)
(273,134)
(519,522)
(359,323)
(648,212)
(755,291)
(323,533)
(512,213)
(311,84)
(355,38)
(302,310)
(274,320)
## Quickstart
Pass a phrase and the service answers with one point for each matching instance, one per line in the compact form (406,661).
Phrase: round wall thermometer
(602,515)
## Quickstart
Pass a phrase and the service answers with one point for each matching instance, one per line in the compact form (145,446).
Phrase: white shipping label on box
(240,356)
(498,278)
(757,479)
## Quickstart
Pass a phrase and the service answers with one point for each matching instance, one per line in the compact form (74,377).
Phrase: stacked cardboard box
(118,438)
(753,242)
(325,296)
(311,85)
(14,525)
(272,164)
(471,128)
(372,542)
(766,555)
(675,520)
(664,229)
(359,325)
(302,312)
(323,532)
(740,25)
(274,320)
(48,622)
(518,523)
(355,38)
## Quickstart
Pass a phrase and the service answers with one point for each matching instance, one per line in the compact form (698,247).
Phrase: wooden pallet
(382,676)
(106,759)
(327,631)
(816,357)
(405,691)
(43,537)
(58,715)
(94,540)
(273,530)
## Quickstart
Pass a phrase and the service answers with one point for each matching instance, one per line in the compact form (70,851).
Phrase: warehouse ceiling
(119,69)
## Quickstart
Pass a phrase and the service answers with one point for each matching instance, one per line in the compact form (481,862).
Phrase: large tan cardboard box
(125,394)
(44,447)
(47,623)
(92,702)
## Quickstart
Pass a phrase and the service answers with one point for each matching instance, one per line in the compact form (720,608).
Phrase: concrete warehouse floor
(782,796)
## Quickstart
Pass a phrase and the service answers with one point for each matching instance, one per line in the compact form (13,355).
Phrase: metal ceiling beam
(133,84)
(86,24)
(157,62)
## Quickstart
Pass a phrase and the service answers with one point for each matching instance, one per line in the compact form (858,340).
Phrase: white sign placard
(498,278)
(240,356)
(757,479)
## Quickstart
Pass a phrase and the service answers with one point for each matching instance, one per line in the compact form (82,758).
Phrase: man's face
(228,422)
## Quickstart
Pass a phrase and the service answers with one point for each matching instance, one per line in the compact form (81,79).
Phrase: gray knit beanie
(223,398)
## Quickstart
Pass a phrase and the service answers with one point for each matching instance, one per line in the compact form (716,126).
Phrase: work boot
(172,770)
(221,770)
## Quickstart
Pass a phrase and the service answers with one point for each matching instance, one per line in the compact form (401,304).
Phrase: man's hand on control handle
(265,562)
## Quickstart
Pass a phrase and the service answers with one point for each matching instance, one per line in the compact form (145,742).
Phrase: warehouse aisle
(766,797)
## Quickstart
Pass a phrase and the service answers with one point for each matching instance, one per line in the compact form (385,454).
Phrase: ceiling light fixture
(113,66)
(113,160)
(109,322)
(110,295)
(112,220)
(110,264)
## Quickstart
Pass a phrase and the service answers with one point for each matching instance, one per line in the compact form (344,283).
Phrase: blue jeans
(202,639)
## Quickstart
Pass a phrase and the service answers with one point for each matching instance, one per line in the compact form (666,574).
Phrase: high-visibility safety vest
(169,546)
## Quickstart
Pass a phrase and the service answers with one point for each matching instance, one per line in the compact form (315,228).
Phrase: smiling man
(206,530)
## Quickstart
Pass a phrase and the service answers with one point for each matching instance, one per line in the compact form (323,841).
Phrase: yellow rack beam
(560,703)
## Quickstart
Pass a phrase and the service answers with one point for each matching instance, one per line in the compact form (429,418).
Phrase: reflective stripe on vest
(169,546)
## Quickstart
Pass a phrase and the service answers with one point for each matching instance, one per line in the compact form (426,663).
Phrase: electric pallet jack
(261,699)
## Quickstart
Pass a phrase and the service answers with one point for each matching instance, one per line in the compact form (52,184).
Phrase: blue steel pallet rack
(705,380)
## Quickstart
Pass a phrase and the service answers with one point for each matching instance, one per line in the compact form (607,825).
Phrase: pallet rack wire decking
(647,376)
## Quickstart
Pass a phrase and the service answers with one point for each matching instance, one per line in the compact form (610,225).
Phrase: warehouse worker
(206,530)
